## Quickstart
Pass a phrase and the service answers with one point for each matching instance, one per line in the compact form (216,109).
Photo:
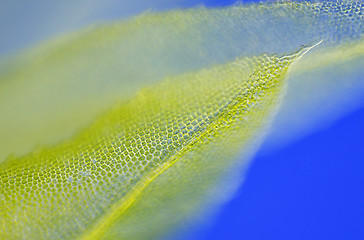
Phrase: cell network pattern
(165,151)
(201,120)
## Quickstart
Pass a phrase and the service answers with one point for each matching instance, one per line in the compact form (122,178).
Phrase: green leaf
(43,90)
(143,125)
(188,129)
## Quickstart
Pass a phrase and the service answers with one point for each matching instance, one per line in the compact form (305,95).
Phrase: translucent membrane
(139,123)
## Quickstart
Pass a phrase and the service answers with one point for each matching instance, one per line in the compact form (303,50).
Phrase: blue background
(311,189)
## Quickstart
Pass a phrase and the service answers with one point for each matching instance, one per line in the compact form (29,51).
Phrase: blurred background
(310,188)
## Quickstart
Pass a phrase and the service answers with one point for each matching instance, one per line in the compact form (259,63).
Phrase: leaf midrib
(124,203)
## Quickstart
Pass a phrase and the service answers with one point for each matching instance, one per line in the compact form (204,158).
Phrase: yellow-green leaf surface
(190,127)
(140,125)
(43,90)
